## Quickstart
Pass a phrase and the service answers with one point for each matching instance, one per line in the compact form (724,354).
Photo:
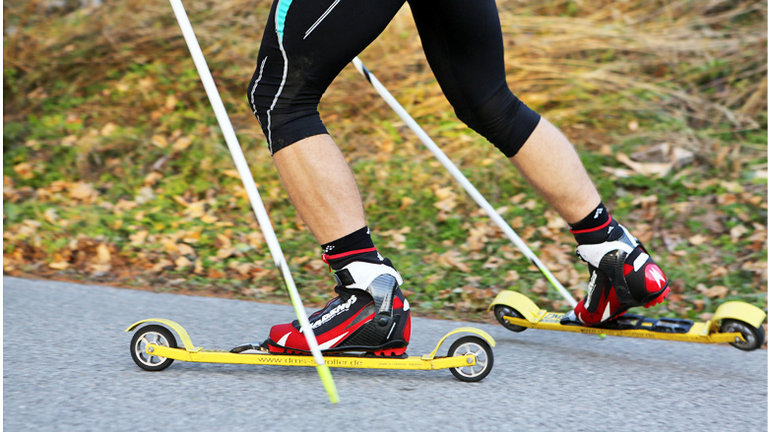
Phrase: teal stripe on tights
(282,12)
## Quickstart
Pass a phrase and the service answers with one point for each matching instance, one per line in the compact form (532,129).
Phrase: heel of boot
(390,352)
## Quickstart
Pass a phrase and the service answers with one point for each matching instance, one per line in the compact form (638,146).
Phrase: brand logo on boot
(653,273)
(334,312)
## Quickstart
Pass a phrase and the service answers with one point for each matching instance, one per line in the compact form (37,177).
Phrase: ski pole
(253,194)
(463,181)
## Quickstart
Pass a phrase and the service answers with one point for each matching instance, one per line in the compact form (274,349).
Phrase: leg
(561,180)
(305,45)
(300,56)
(465,50)
(329,204)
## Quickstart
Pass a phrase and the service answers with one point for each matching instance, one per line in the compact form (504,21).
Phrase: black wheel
(151,334)
(483,358)
(751,338)
(500,311)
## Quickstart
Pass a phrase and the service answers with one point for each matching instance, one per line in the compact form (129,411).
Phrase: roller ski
(737,323)
(367,326)
(154,347)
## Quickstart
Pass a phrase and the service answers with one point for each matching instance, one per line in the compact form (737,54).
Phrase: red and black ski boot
(622,276)
(370,315)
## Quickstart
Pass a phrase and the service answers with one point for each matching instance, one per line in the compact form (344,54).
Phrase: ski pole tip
(330,386)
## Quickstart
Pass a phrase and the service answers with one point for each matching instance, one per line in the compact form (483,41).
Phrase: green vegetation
(114,169)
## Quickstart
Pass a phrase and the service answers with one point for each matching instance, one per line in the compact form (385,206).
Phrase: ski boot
(369,315)
(622,276)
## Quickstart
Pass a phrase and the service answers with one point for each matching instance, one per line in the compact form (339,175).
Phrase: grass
(114,169)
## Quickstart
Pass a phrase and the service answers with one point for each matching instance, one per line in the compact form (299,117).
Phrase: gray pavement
(67,367)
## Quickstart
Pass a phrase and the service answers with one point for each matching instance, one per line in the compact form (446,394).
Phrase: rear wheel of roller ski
(151,334)
(500,311)
(483,358)
(752,338)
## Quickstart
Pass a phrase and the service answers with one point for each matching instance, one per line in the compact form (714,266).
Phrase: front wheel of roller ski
(483,358)
(500,311)
(751,338)
(151,334)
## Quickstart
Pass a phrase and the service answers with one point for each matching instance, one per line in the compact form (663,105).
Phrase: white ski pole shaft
(253,194)
(463,181)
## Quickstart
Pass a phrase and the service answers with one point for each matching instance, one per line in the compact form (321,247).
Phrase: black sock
(596,227)
(357,246)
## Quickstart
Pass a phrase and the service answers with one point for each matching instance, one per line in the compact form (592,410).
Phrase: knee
(502,119)
(285,115)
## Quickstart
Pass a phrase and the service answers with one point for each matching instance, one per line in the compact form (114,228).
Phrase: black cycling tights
(308,42)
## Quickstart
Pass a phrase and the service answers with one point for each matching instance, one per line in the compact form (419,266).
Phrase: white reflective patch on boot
(363,273)
(283,339)
(640,261)
(591,289)
(406,306)
(594,253)
(607,313)
(332,342)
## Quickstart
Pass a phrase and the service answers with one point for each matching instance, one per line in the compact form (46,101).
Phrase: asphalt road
(67,367)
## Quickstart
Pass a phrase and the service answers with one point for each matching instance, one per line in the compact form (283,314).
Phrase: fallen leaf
(108,129)
(738,231)
(651,169)
(182,262)
(511,276)
(186,249)
(225,252)
(452,258)
(181,144)
(103,256)
(718,291)
(170,102)
(138,238)
(162,265)
(405,202)
(698,239)
(50,216)
(24,170)
(152,178)
(83,191)
(159,141)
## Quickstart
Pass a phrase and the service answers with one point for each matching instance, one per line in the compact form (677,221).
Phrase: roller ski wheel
(752,338)
(500,311)
(482,352)
(151,334)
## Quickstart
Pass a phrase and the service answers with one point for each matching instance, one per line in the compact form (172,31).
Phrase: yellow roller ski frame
(470,357)
(734,322)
